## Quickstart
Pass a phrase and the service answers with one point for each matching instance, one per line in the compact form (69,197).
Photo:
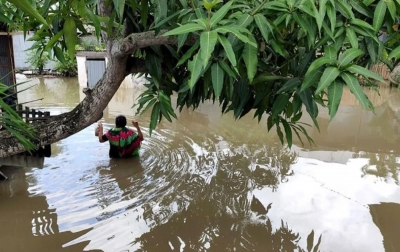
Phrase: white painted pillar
(82,74)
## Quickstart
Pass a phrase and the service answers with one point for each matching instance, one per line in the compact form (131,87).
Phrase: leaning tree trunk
(88,111)
(395,75)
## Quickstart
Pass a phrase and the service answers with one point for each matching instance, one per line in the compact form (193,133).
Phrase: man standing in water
(124,142)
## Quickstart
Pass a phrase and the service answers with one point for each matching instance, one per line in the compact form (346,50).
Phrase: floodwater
(208,183)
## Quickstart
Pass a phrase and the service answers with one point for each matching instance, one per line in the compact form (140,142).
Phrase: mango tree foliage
(11,121)
(271,58)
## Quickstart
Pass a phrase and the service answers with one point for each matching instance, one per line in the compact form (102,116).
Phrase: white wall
(21,56)
(130,81)
(82,75)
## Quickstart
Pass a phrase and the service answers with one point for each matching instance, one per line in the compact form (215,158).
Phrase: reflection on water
(208,183)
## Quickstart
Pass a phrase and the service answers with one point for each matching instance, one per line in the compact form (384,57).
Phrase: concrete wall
(21,56)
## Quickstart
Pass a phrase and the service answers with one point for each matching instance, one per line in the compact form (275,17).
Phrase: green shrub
(37,61)
(69,68)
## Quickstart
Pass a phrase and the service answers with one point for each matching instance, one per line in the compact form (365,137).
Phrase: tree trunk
(121,63)
(84,114)
(395,75)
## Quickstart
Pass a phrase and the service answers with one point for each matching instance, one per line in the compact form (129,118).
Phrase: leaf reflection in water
(385,166)
(224,215)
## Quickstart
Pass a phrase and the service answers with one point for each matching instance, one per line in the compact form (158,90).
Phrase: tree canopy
(270,57)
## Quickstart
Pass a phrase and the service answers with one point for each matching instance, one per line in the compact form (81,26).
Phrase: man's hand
(135,124)
(100,132)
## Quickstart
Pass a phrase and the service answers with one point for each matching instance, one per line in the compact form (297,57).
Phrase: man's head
(120,121)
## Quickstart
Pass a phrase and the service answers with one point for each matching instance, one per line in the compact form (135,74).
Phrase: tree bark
(88,111)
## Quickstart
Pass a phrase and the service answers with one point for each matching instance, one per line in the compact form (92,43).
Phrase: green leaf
(305,25)
(392,9)
(362,24)
(280,104)
(330,52)
(207,43)
(235,31)
(227,69)
(59,54)
(345,9)
(230,54)
(71,36)
(181,40)
(311,78)
(189,53)
(304,62)
(318,63)
(266,78)
(217,76)
(379,15)
(290,85)
(195,67)
(320,15)
(351,35)
(353,84)
(95,20)
(368,2)
(348,56)
(304,7)
(328,31)
(331,11)
(251,60)
(144,5)
(26,7)
(288,132)
(155,114)
(280,134)
(335,92)
(203,22)
(365,72)
(4,19)
(361,8)
(164,111)
(279,48)
(165,20)
(264,26)
(244,21)
(308,101)
(395,53)
(187,28)
(220,14)
(276,5)
(162,10)
(330,74)
(53,40)
(119,6)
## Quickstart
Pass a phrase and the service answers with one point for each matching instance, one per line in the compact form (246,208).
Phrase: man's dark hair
(120,121)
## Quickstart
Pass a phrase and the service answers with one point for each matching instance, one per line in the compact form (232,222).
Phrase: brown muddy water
(208,183)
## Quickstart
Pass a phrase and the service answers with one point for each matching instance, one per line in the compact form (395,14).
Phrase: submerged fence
(29,116)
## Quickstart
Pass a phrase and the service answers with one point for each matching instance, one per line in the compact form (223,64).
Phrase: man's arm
(100,136)
(136,125)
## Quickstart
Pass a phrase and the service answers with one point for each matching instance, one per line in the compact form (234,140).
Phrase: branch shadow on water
(222,214)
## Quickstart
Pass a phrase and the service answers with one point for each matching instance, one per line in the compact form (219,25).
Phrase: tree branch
(137,41)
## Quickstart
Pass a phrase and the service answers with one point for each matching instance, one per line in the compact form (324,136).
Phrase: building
(7,67)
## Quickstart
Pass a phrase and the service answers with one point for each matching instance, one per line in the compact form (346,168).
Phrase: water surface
(208,183)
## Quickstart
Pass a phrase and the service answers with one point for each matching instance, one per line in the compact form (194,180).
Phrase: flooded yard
(208,183)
